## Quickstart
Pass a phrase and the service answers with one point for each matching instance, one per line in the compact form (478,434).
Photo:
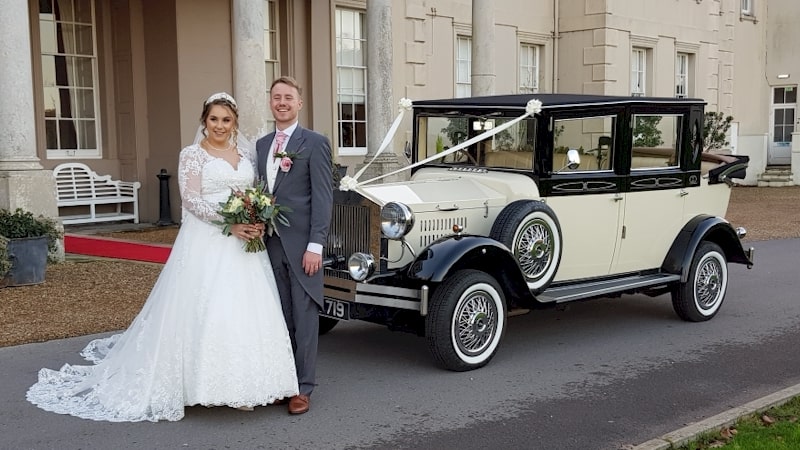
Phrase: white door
(784,101)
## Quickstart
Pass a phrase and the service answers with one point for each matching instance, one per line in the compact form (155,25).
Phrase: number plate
(336,309)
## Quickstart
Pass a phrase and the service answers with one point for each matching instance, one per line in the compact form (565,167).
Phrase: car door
(654,201)
(587,199)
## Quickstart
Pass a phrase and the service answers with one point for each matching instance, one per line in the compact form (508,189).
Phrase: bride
(211,332)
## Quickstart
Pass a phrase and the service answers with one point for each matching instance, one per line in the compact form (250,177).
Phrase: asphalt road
(598,375)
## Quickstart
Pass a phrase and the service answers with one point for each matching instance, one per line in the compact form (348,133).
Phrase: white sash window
(69,78)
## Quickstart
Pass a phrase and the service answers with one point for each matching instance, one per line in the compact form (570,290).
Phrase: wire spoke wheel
(475,323)
(530,230)
(534,249)
(466,320)
(700,297)
(708,283)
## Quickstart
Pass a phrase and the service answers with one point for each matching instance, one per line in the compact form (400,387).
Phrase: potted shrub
(24,250)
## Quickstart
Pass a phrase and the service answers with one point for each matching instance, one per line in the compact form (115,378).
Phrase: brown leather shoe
(299,404)
(280,401)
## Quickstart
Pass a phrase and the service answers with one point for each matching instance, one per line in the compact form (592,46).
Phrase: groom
(296,162)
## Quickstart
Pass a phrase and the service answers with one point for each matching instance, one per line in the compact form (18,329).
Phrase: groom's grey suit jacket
(307,188)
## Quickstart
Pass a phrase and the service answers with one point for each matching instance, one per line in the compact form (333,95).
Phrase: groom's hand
(312,262)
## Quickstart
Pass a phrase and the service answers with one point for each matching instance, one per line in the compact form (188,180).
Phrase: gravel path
(86,296)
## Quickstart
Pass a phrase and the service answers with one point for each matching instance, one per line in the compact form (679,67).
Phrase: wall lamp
(783,76)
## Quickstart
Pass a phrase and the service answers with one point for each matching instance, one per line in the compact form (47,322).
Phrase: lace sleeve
(190,181)
(250,155)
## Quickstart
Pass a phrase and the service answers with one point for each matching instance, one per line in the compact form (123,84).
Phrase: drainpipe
(556,37)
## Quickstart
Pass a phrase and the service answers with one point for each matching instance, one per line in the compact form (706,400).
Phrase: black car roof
(519,101)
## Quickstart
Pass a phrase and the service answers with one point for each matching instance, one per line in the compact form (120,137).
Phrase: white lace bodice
(204,180)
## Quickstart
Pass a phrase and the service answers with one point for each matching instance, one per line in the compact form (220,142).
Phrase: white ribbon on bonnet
(347,183)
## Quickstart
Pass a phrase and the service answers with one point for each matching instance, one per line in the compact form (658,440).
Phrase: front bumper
(375,294)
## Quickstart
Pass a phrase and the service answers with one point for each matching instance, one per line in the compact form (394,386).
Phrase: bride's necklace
(221,150)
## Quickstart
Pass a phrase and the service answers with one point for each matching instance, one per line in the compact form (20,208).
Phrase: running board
(594,288)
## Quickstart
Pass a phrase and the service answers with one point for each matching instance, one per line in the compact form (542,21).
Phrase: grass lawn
(775,429)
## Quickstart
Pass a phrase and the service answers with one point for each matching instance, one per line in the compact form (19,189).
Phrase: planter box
(28,258)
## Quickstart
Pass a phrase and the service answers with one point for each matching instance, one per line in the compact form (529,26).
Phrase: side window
(655,141)
(593,137)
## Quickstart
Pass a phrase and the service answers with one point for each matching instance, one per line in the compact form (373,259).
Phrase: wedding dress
(210,333)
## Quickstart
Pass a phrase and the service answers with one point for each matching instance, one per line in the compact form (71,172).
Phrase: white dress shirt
(273,164)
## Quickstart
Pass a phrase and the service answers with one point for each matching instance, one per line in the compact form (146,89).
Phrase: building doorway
(782,118)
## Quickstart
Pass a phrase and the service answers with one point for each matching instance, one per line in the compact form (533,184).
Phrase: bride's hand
(247,231)
(260,229)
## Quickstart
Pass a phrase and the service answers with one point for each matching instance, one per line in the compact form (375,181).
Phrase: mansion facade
(119,84)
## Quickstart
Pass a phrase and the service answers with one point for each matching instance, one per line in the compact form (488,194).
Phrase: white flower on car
(348,183)
(534,106)
(405,104)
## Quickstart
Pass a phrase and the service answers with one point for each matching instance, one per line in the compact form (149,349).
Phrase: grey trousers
(301,313)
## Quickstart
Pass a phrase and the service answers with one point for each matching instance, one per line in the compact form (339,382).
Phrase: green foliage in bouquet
(253,205)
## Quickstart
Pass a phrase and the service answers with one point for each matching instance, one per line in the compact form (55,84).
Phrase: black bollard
(165,214)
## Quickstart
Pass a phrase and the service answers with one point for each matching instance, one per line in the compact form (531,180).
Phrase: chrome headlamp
(396,220)
(361,266)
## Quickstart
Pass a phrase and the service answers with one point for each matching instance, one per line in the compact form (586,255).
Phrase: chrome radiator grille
(355,227)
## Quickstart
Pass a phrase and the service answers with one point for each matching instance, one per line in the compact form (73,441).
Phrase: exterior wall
(603,33)
(159,60)
(162,102)
(782,58)
(428,36)
(751,104)
(204,58)
(315,61)
(782,53)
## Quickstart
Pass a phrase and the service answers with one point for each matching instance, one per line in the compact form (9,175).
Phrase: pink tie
(280,137)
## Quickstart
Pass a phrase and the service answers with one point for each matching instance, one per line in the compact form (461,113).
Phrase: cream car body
(510,208)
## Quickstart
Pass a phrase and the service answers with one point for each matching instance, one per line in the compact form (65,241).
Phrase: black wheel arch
(703,228)
(453,253)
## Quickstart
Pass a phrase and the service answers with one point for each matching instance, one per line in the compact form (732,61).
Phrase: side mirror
(573,159)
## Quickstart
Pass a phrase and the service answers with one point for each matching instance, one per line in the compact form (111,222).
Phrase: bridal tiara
(222,96)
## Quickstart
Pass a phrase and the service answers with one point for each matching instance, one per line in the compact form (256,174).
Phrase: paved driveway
(598,375)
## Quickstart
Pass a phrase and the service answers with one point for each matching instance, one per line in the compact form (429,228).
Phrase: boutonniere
(287,159)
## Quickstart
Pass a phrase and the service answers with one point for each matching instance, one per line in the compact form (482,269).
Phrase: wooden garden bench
(80,190)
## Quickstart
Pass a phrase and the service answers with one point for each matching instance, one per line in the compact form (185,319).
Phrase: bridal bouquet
(252,205)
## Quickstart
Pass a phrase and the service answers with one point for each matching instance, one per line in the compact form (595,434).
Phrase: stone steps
(777,176)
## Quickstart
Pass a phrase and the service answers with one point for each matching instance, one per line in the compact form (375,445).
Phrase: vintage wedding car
(522,201)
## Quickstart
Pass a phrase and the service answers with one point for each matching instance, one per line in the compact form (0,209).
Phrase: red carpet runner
(115,248)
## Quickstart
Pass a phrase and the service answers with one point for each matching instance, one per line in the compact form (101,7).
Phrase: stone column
(483,47)
(249,72)
(381,104)
(24,183)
